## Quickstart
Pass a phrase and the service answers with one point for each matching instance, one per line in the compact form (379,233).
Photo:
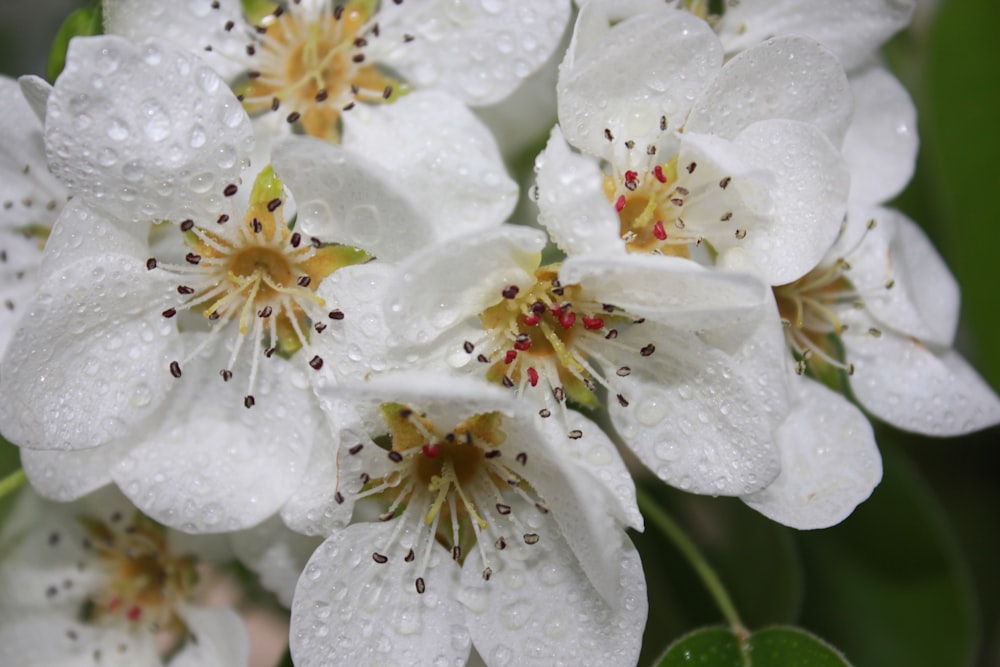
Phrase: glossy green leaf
(770,647)
(82,22)
(888,585)
(708,647)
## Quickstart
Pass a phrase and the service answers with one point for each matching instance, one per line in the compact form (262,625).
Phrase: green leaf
(770,647)
(888,585)
(708,647)
(81,23)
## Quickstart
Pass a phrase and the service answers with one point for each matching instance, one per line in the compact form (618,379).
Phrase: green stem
(653,512)
(11,482)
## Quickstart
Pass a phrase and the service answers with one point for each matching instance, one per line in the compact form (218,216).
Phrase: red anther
(631,177)
(659,232)
(658,172)
(532,320)
(431,450)
(620,204)
(532,377)
(510,356)
(522,344)
(592,322)
(567,319)
(134,613)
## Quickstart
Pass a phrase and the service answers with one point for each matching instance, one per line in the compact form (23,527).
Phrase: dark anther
(303,281)
(293,117)
(503,509)
(648,350)
(226,374)
(175,369)
(510,291)
(522,458)
(169,312)
(421,587)
(395,457)
(335,315)
(248,400)
(273,205)
(531,538)
(355,449)
(468,347)
(379,558)
(316,362)
(150,263)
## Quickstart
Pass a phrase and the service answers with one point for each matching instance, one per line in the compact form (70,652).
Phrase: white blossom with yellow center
(686,359)
(697,155)
(97,583)
(483,530)
(309,62)
(174,297)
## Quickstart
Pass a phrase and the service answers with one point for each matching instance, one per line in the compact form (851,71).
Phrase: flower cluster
(262,279)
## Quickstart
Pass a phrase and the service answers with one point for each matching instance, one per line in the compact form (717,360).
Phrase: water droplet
(155,120)
(141,395)
(651,410)
(364,226)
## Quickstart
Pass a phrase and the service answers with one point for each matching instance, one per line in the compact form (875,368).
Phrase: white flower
(133,320)
(310,61)
(884,296)
(690,358)
(30,201)
(744,154)
(484,537)
(96,582)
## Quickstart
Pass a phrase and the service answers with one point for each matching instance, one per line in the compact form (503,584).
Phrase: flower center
(460,486)
(145,583)
(811,312)
(547,333)
(261,274)
(663,208)
(315,67)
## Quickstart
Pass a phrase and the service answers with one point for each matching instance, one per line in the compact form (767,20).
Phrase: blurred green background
(912,578)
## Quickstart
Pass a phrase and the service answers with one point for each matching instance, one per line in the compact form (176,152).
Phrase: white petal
(918,387)
(672,290)
(701,416)
(276,554)
(479,52)
(36,91)
(145,132)
(793,188)
(571,202)
(350,610)
(343,198)
(34,195)
(314,508)
(68,475)
(647,66)
(191,26)
(445,284)
(829,461)
(852,29)
(440,155)
(223,466)
(222,639)
(577,507)
(790,78)
(33,641)
(924,299)
(881,144)
(86,365)
(596,454)
(543,611)
(355,346)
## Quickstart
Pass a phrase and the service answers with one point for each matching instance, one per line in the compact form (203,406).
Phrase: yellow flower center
(260,273)
(314,68)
